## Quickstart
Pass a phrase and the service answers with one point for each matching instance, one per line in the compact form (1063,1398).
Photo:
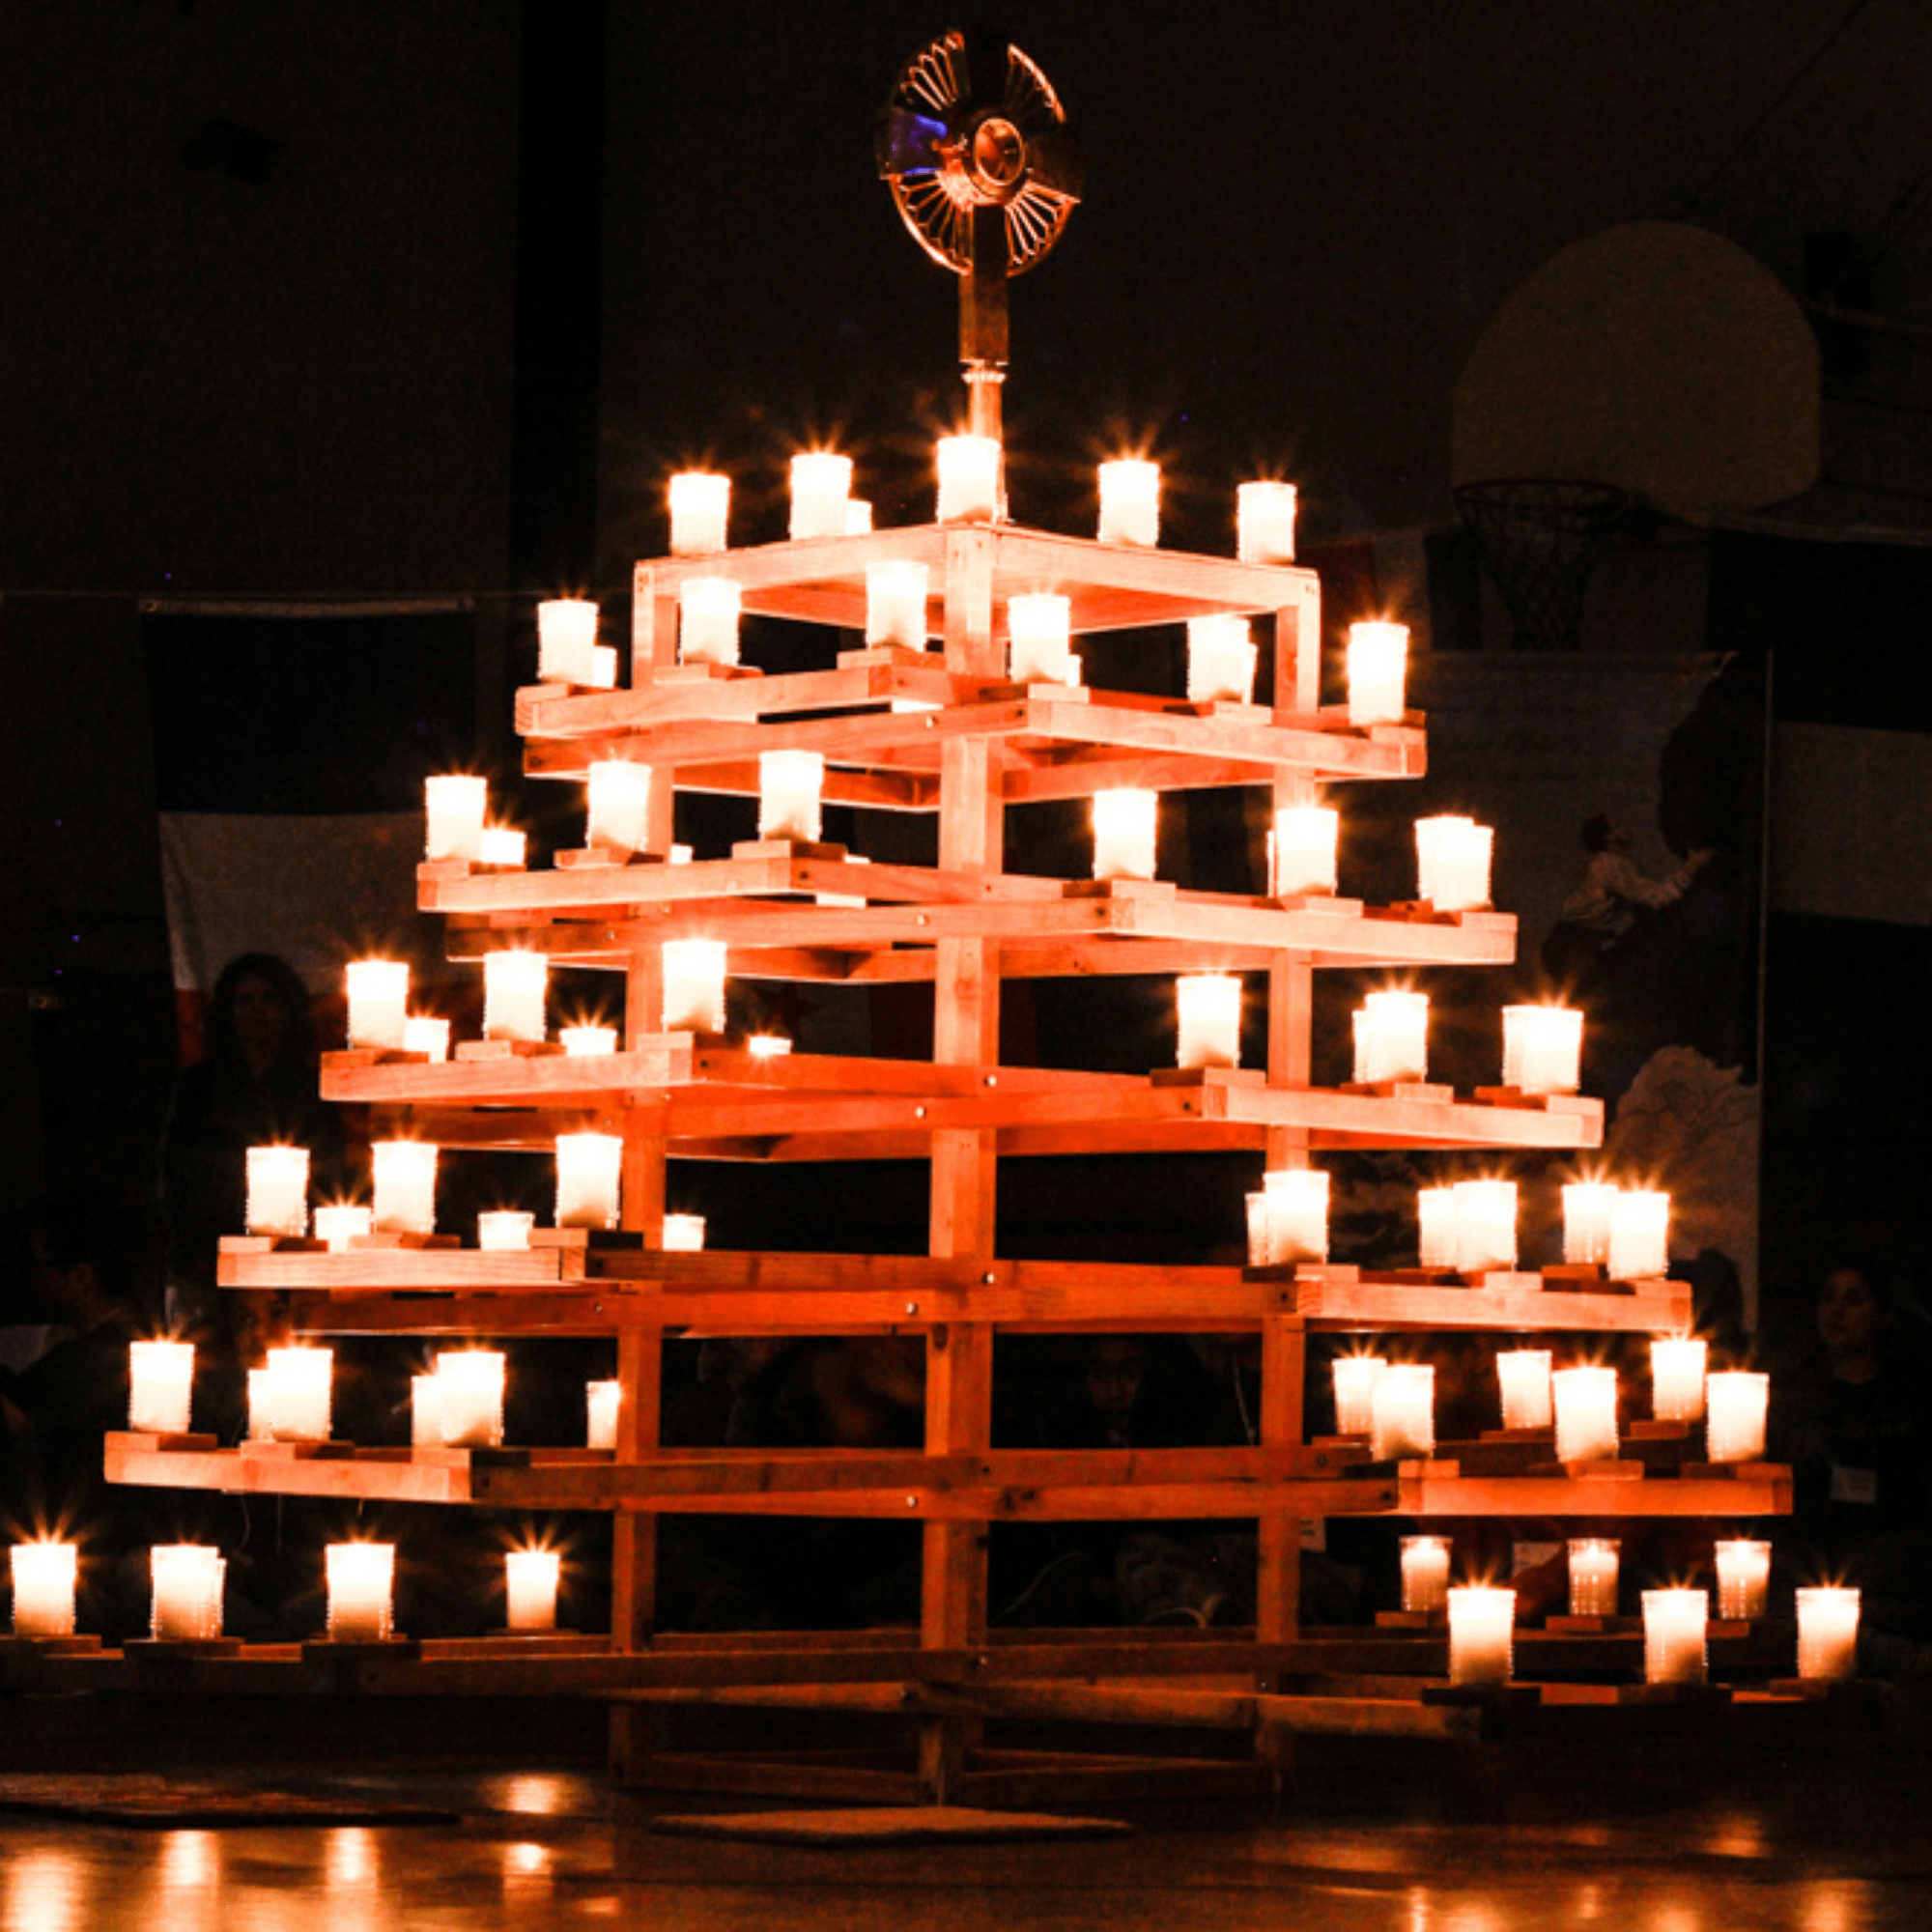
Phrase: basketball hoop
(1538,539)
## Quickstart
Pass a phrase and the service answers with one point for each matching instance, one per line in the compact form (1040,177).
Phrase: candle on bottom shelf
(379,1000)
(160,1386)
(1221,658)
(1378,666)
(361,1591)
(188,1582)
(1593,1576)
(470,1398)
(587,1043)
(1402,1412)
(1425,1573)
(342,1223)
(1586,1413)
(530,1580)
(1265,523)
(1735,1401)
(1744,1579)
(503,1230)
(1355,1381)
(1210,1008)
(1126,822)
(789,788)
(589,1171)
(1675,1632)
(683,1234)
(300,1393)
(1523,1376)
(1677,1378)
(1130,502)
(405,1189)
(693,985)
(43,1588)
(969,478)
(601,1403)
(1482,1627)
(277,1191)
(1827,1633)
(700,506)
(1587,1210)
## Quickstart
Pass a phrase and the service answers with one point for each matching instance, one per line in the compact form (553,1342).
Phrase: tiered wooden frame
(945,732)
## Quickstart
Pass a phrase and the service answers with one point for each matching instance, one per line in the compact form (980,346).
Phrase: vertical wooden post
(653,626)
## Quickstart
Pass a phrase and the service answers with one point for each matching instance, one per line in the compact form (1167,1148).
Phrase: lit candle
(820,484)
(602,1401)
(1210,1005)
(1827,1633)
(1402,1412)
(1436,1222)
(1265,523)
(453,809)
(768,1045)
(471,1398)
(379,1000)
(1220,661)
(969,479)
(1735,1401)
(587,1043)
(426,1411)
(1744,1579)
(603,673)
(1485,1226)
(361,1591)
(1675,1629)
(619,797)
(1639,1236)
(43,1588)
(1587,1210)
(1355,1378)
(858,515)
(300,1393)
(1425,1573)
(1294,1210)
(1391,1037)
(503,846)
(343,1223)
(707,620)
(278,1180)
(1130,502)
(701,503)
(532,1580)
(896,603)
(1586,1413)
(1543,1049)
(1126,822)
(1676,1377)
(160,1386)
(1482,1623)
(261,1406)
(789,785)
(1301,850)
(693,985)
(514,986)
(1452,861)
(566,637)
(1593,1576)
(683,1234)
(405,1177)
(589,1167)
(503,1230)
(427,1034)
(187,1579)
(1038,632)
(1377,672)
(1524,1376)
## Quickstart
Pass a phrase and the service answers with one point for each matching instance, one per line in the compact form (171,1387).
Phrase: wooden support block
(1207,1077)
(1119,888)
(900,657)
(1529,1437)
(146,1651)
(392,1239)
(1652,1429)
(148,1443)
(1736,1472)
(703,674)
(1430,1468)
(596,859)
(1498,1697)
(1674,1694)
(443,869)
(344,1058)
(788,848)
(83,1643)
(1583,1274)
(507,1049)
(1593,1626)
(1412,1620)
(1317,902)
(1858,1693)
(1602,1470)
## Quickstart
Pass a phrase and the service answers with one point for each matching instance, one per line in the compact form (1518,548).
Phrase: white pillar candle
(503,1230)
(160,1386)
(1126,822)
(588,1171)
(453,808)
(566,639)
(378,1001)
(707,620)
(603,668)
(1485,1226)
(278,1180)
(1676,1628)
(1586,1413)
(404,1177)
(617,795)
(768,1045)
(426,1411)
(896,603)
(1482,1624)
(1378,674)
(1452,861)
(1295,1204)
(341,1224)
(471,1398)
(1734,1401)
(1435,1223)
(700,504)
(261,1404)
(43,1588)
(503,846)
(1130,502)
(1543,1049)
(1039,634)
(1425,1573)
(858,515)
(683,1234)
(531,1578)
(969,478)
(1265,523)
(1356,1378)
(1392,1038)
(789,785)
(1301,850)
(187,1579)
(1744,1579)
(1639,1236)
(1523,1376)
(1587,1210)
(1209,1007)
(1402,1412)
(587,1043)
(1593,1576)
(300,1393)
(1220,661)
(1827,1633)
(361,1591)
(820,483)
(602,1400)
(514,989)
(693,985)
(1677,1378)
(428,1035)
